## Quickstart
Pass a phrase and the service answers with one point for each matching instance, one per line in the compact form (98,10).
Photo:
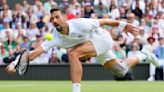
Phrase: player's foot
(151,78)
(150,56)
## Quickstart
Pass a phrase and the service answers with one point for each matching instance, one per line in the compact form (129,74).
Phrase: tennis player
(84,38)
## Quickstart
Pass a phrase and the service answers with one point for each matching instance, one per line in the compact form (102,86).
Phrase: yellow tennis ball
(49,37)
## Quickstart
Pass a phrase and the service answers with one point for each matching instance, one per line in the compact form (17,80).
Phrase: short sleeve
(46,45)
(85,24)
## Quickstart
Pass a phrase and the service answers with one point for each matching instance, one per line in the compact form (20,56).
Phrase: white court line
(15,85)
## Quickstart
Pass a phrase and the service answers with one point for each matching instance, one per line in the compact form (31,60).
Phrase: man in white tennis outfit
(84,38)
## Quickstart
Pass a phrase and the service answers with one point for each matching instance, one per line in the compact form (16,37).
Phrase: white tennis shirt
(80,30)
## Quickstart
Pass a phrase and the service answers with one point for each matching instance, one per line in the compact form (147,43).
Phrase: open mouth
(56,25)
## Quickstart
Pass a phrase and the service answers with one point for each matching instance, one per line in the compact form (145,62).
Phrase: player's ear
(64,15)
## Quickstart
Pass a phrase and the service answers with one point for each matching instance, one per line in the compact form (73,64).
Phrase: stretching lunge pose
(84,38)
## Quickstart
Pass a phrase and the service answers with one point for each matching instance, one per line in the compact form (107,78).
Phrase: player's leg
(74,55)
(121,68)
(145,55)
(152,69)
(109,61)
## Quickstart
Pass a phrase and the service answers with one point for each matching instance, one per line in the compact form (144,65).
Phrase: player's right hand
(10,68)
(132,29)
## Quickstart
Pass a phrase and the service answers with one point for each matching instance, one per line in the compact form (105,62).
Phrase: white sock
(141,57)
(76,87)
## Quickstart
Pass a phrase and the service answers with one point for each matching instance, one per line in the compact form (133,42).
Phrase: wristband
(15,62)
(122,24)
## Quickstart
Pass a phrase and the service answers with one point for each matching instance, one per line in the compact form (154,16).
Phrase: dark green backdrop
(61,72)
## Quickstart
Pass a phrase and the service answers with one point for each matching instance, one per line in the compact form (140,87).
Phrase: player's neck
(65,30)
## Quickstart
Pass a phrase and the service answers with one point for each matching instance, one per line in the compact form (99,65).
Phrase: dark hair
(57,9)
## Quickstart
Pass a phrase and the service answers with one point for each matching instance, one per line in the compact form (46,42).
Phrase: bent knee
(119,69)
(119,73)
(73,55)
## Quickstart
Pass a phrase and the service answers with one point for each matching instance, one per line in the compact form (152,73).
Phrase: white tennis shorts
(103,44)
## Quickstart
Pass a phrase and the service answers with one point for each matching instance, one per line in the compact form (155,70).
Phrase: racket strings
(23,64)
(24,58)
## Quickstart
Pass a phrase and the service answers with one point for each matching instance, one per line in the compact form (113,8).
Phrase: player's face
(58,20)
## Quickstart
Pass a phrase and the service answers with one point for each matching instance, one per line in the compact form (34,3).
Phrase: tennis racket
(23,62)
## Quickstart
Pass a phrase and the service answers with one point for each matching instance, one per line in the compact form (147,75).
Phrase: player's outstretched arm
(32,55)
(36,52)
(127,26)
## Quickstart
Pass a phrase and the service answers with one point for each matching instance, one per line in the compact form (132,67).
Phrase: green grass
(87,86)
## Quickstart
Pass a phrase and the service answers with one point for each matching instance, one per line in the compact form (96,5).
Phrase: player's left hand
(132,29)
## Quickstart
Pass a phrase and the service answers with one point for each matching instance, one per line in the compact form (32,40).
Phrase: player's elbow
(35,53)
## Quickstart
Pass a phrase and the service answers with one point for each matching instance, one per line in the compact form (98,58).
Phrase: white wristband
(15,62)
(122,24)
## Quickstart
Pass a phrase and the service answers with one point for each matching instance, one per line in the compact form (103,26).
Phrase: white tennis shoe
(150,56)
